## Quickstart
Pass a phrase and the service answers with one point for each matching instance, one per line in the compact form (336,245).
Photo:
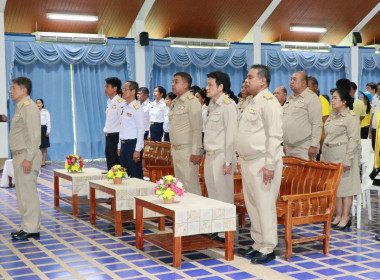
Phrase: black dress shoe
(216,237)
(260,258)
(16,232)
(377,237)
(334,225)
(247,252)
(25,235)
(344,227)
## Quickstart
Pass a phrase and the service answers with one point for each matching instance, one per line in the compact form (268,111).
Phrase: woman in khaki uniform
(342,136)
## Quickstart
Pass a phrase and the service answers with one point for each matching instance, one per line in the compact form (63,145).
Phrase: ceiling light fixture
(71,17)
(308,29)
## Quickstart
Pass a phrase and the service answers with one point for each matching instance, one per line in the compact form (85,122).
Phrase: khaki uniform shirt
(302,118)
(260,129)
(221,127)
(343,129)
(26,128)
(185,117)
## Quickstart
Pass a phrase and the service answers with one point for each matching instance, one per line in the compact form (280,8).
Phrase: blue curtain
(327,67)
(52,84)
(162,62)
(369,67)
(90,104)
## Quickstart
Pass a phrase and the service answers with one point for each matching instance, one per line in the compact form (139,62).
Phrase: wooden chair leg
(326,240)
(288,238)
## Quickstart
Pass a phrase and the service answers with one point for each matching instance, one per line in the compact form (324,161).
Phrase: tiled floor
(71,248)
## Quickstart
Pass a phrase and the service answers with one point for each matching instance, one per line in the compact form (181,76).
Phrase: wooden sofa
(307,195)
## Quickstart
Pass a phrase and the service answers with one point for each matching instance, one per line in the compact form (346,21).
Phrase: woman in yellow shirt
(366,97)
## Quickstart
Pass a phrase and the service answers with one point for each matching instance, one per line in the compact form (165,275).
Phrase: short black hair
(185,77)
(194,88)
(171,96)
(371,85)
(344,95)
(23,82)
(114,82)
(161,90)
(313,80)
(353,85)
(203,93)
(42,101)
(221,78)
(344,83)
(133,86)
(263,72)
(144,90)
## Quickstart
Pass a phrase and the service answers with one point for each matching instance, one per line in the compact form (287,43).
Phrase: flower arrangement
(116,172)
(74,163)
(168,187)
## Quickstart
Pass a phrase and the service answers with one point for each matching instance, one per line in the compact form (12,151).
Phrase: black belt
(127,141)
(153,123)
(112,134)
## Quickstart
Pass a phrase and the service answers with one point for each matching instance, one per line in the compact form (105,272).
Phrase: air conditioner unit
(305,46)
(71,37)
(199,43)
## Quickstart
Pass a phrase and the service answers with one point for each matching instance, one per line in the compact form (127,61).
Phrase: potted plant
(117,173)
(169,187)
(74,163)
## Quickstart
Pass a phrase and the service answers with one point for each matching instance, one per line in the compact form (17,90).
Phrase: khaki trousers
(260,200)
(219,186)
(301,151)
(26,192)
(186,171)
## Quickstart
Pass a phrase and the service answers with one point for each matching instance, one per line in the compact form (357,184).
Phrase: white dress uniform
(157,113)
(146,106)
(45,128)
(131,138)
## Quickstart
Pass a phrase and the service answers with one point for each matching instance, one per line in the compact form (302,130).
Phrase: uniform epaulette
(44,110)
(352,113)
(136,106)
(310,91)
(190,96)
(206,108)
(119,99)
(26,103)
(226,100)
(268,95)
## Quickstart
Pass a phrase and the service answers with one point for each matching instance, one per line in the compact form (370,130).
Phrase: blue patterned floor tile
(356,258)
(98,254)
(375,255)
(224,268)
(107,260)
(328,271)
(240,275)
(159,254)
(309,265)
(117,266)
(98,277)
(358,249)
(333,261)
(88,270)
(20,271)
(59,274)
(79,264)
(134,257)
(315,255)
(210,262)
(11,265)
(169,276)
(373,264)
(196,256)
(353,268)
(187,266)
(144,263)
(197,272)
(43,261)
(348,277)
(211,278)
(128,273)
(304,276)
(50,267)
(285,268)
(27,277)
(70,258)
(371,275)
(156,269)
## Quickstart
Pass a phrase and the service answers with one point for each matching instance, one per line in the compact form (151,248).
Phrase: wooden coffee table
(80,186)
(192,216)
(123,201)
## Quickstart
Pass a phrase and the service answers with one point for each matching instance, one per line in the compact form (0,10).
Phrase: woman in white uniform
(200,94)
(45,129)
(157,113)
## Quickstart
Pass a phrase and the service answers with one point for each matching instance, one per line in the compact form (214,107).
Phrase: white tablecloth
(7,171)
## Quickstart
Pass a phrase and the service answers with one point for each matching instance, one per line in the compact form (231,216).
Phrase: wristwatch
(228,163)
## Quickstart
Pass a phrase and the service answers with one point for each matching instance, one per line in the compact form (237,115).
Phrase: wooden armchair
(157,160)
(307,195)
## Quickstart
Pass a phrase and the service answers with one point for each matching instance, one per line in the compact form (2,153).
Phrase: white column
(3,87)
(355,66)
(257,44)
(139,54)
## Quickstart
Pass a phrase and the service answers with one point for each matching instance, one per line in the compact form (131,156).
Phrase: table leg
(56,191)
(229,246)
(118,224)
(75,205)
(10,183)
(177,251)
(92,206)
(161,223)
(139,226)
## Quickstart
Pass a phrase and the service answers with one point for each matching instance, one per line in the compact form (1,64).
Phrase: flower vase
(117,180)
(168,201)
(73,171)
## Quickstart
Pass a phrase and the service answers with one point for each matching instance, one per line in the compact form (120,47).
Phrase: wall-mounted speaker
(356,38)
(144,39)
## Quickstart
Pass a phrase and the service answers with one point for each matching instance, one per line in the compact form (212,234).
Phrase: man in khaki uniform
(258,144)
(24,142)
(302,119)
(185,117)
(219,141)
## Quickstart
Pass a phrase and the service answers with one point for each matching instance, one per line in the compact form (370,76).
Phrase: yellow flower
(158,192)
(119,174)
(169,177)
(110,174)
(74,168)
(66,165)
(168,194)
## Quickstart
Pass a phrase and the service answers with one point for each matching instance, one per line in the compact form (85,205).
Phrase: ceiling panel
(338,16)
(215,19)
(371,31)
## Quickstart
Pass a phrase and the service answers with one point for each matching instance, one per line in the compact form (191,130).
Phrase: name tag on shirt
(114,107)
(181,107)
(129,114)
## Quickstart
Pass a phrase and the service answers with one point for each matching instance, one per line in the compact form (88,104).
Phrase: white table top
(196,214)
